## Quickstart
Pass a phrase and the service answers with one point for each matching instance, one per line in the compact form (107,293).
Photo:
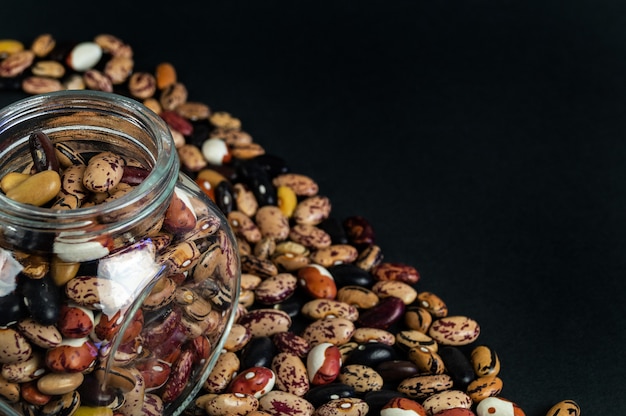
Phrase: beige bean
(119,68)
(246,151)
(244,197)
(424,385)
(244,227)
(302,185)
(312,210)
(276,289)
(9,391)
(454,330)
(291,373)
(329,308)
(281,402)
(364,335)
(52,69)
(59,383)
(272,222)
(225,369)
(235,404)
(360,377)
(23,371)
(336,331)
(96,80)
(173,95)
(42,45)
(361,297)
(14,347)
(386,288)
(266,322)
(237,338)
(345,406)
(44,336)
(446,400)
(310,236)
(334,254)
(191,157)
(194,110)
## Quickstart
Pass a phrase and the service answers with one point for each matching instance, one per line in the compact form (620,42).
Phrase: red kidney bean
(386,313)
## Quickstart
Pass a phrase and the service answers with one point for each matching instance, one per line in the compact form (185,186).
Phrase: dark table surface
(485,142)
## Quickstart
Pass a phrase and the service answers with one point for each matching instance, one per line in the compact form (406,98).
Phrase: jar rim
(156,188)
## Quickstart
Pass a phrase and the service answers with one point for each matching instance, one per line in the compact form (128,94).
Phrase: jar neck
(91,121)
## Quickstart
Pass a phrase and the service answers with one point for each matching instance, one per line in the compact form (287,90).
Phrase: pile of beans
(325,324)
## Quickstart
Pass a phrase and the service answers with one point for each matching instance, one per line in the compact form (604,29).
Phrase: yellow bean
(287,200)
(10,46)
(11,180)
(38,189)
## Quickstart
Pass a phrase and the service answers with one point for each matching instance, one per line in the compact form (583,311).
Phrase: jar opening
(86,123)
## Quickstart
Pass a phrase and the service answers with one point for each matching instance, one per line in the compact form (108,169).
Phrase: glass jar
(125,300)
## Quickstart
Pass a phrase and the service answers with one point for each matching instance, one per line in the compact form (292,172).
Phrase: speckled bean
(346,406)
(266,322)
(278,402)
(235,404)
(484,387)
(329,308)
(361,377)
(485,361)
(334,254)
(422,386)
(565,407)
(447,399)
(336,331)
(291,373)
(454,330)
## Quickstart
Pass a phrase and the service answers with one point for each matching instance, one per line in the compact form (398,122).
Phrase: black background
(485,141)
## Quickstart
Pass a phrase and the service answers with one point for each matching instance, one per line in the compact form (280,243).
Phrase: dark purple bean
(347,274)
(41,297)
(335,229)
(200,132)
(318,395)
(224,198)
(12,309)
(42,151)
(376,399)
(372,354)
(258,353)
(458,366)
(134,175)
(272,164)
(359,231)
(259,182)
(388,311)
(394,371)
